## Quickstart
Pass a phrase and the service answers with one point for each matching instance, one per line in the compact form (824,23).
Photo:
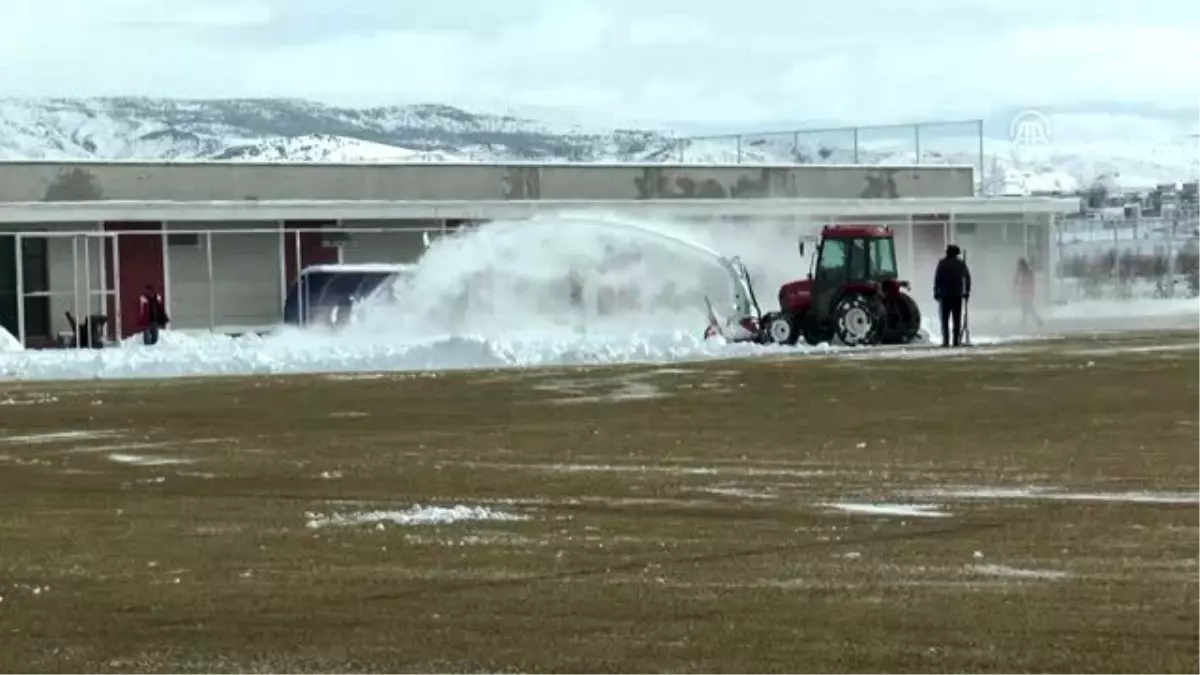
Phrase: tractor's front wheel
(859,320)
(782,330)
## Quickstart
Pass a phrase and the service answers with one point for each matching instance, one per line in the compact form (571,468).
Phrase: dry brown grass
(687,532)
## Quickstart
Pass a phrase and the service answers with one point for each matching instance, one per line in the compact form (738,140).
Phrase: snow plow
(852,294)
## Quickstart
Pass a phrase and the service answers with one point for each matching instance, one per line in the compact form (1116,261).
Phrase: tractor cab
(861,253)
(852,292)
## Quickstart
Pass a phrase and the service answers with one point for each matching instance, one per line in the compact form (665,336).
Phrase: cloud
(703,60)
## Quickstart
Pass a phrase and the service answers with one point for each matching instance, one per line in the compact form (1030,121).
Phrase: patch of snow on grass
(146,460)
(417,515)
(1017,573)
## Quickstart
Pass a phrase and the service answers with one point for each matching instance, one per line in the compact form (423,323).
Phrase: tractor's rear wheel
(911,329)
(903,320)
(859,320)
(817,333)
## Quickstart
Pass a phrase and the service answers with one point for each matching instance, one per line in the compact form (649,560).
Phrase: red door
(312,251)
(141,264)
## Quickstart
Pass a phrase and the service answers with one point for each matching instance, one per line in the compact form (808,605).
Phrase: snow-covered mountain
(290,130)
(1132,148)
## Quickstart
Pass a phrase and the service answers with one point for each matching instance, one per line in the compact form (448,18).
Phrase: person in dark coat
(951,287)
(152,315)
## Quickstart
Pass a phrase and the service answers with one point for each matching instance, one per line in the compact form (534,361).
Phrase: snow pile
(8,343)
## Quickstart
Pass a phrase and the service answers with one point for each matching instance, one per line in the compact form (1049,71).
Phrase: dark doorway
(36,273)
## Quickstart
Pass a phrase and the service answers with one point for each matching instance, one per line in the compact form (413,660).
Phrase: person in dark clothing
(152,315)
(951,287)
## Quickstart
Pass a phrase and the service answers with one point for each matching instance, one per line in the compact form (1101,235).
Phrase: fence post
(917,142)
(982,165)
(855,131)
(739,148)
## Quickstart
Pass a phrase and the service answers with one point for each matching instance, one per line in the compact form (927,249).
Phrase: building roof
(27,213)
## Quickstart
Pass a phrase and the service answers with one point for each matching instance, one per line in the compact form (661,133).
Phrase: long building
(225,240)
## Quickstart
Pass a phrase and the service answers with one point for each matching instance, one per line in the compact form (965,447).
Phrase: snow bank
(294,352)
(8,343)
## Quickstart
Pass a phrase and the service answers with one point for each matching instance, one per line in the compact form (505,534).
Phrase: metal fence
(955,142)
(1129,258)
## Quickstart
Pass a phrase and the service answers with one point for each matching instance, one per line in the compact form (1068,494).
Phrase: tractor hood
(795,296)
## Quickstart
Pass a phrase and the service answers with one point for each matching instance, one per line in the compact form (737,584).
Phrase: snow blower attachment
(852,293)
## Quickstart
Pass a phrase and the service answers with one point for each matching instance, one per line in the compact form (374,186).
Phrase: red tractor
(852,293)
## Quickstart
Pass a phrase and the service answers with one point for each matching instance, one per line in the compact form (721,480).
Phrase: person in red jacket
(1026,291)
(152,315)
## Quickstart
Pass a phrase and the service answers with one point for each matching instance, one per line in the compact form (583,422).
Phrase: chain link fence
(953,142)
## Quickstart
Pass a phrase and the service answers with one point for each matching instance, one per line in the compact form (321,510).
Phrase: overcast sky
(704,60)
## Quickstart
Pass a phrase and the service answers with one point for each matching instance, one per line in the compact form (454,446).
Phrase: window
(183,240)
(856,252)
(833,255)
(883,258)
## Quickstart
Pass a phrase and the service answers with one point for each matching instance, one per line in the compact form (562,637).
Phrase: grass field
(1015,510)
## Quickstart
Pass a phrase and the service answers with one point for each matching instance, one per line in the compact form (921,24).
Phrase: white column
(283,280)
(105,291)
(208,262)
(341,247)
(166,257)
(87,275)
(299,269)
(75,284)
(910,251)
(19,244)
(115,238)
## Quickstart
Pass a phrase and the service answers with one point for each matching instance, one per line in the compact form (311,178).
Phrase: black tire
(903,320)
(859,320)
(780,329)
(912,316)
(816,334)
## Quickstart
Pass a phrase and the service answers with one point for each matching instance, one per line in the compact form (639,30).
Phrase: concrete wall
(88,181)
